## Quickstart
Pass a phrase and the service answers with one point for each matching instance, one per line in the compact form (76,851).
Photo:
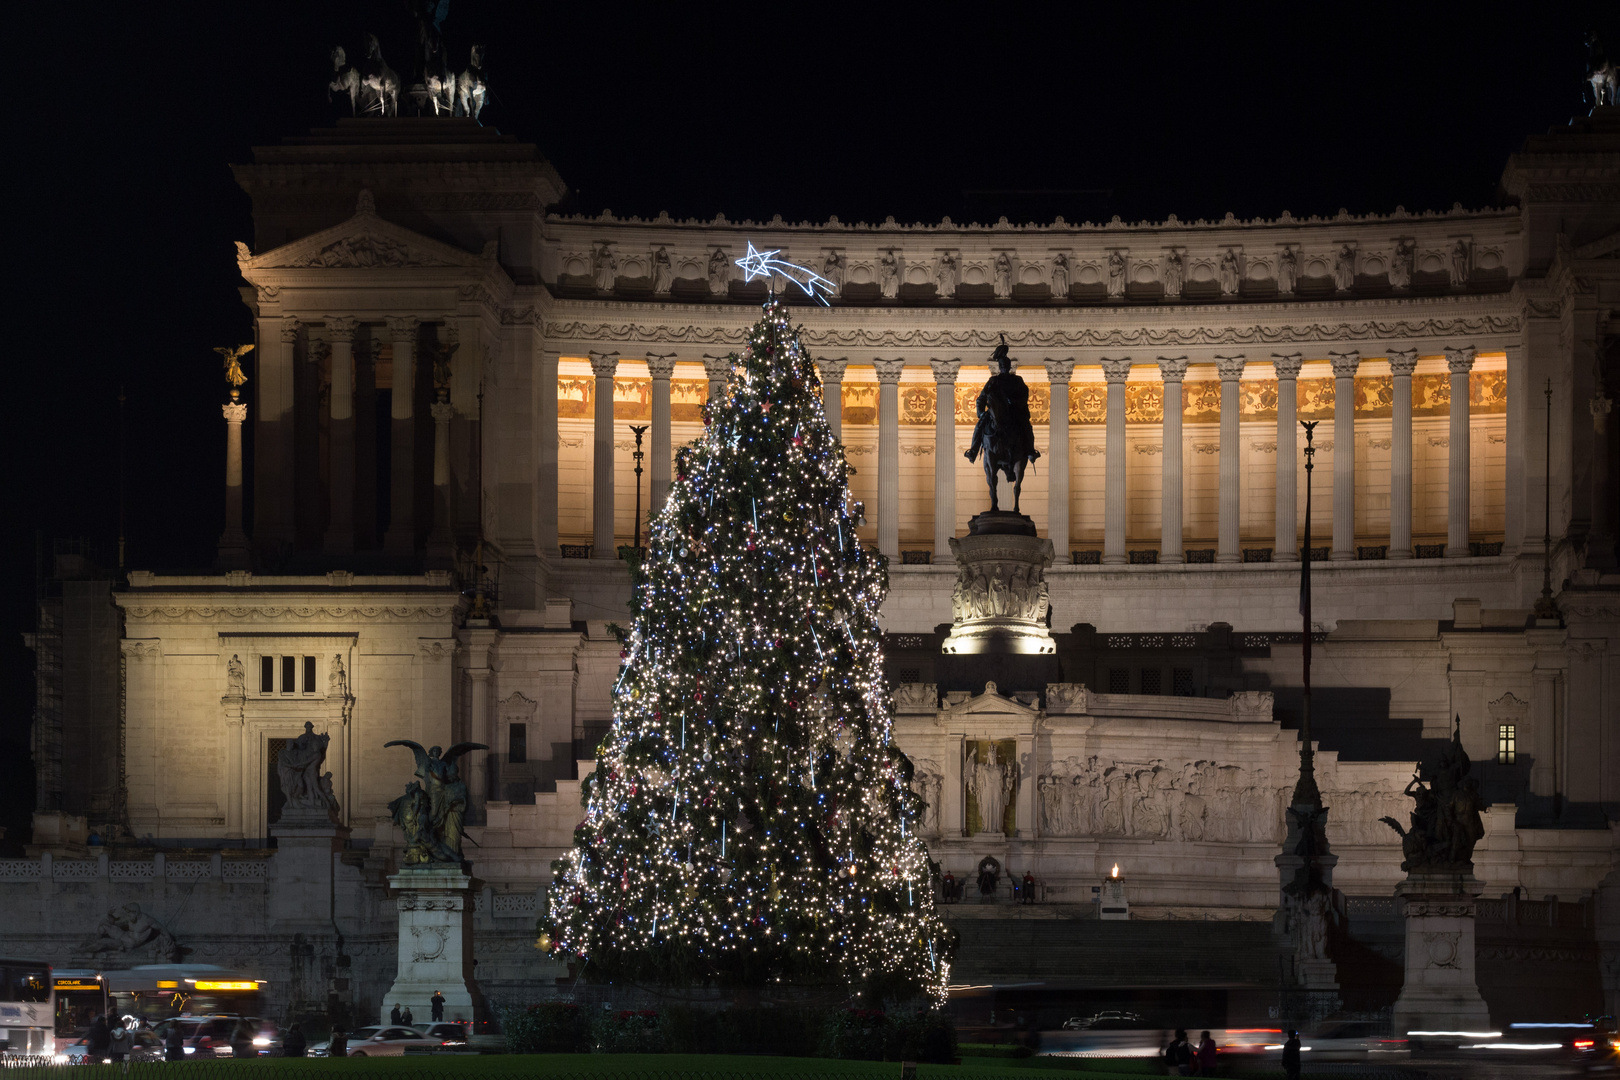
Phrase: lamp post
(638,430)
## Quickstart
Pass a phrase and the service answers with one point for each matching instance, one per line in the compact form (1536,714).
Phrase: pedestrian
(1290,1060)
(292,1043)
(120,1041)
(436,1004)
(1178,1056)
(1206,1055)
(405,1017)
(338,1044)
(242,1040)
(1029,887)
(95,1040)
(394,1016)
(174,1043)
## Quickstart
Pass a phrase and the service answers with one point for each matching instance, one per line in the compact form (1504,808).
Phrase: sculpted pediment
(989,703)
(365,242)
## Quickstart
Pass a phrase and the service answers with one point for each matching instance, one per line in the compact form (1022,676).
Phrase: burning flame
(1115,872)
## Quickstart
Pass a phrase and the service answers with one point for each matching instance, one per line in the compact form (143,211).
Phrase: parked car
(383,1041)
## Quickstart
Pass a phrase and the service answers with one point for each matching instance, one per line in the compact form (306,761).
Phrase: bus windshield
(30,984)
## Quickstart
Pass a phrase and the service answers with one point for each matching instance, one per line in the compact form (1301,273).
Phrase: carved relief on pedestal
(928,782)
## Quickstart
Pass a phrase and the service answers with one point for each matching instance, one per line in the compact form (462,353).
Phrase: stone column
(1172,369)
(944,454)
(340,437)
(273,432)
(1285,547)
(233,543)
(1058,373)
(401,538)
(1227,549)
(661,366)
(440,545)
(546,480)
(1115,372)
(1401,366)
(888,485)
(719,370)
(1460,362)
(1344,455)
(480,727)
(832,393)
(602,463)
(1518,430)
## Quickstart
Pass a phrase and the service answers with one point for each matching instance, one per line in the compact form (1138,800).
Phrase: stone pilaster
(401,537)
(1058,374)
(440,544)
(1115,372)
(661,366)
(945,372)
(1401,366)
(1172,369)
(1229,518)
(604,367)
(1344,455)
(1285,547)
(546,480)
(480,723)
(888,485)
(1459,362)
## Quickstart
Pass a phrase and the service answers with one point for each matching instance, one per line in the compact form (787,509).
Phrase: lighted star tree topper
(750,819)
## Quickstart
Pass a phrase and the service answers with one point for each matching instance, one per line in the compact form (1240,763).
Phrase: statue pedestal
(307,843)
(435,942)
(1112,905)
(1000,601)
(1440,993)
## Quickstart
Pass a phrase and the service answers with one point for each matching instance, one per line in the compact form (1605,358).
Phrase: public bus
(81,996)
(152,993)
(27,1007)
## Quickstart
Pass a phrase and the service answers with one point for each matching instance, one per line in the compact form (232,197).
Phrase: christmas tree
(750,819)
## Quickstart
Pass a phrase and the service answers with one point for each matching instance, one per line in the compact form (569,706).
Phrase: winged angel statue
(434,805)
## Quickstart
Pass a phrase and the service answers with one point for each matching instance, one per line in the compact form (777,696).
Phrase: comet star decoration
(765,264)
(750,819)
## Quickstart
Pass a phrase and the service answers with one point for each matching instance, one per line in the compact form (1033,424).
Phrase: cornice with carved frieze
(330,613)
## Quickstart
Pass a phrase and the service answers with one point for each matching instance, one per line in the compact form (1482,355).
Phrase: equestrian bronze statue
(1003,430)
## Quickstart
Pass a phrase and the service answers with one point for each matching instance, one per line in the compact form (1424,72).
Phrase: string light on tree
(750,819)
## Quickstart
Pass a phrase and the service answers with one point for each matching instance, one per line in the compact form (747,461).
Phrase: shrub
(548,1027)
(855,1035)
(629,1031)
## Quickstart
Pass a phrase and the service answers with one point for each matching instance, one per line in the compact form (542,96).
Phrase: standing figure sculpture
(1601,72)
(432,812)
(1003,430)
(299,770)
(1445,821)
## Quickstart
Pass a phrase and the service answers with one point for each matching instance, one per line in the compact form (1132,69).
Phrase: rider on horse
(1003,429)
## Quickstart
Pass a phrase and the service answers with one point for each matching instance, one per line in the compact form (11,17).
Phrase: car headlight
(190,1049)
(261,1041)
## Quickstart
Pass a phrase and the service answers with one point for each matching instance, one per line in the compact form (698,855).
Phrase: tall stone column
(546,480)
(1172,369)
(661,366)
(1344,455)
(888,485)
(273,432)
(480,723)
(1401,366)
(1285,548)
(440,544)
(718,368)
(1115,372)
(233,542)
(1517,513)
(603,366)
(1058,373)
(944,454)
(832,393)
(401,538)
(1229,518)
(340,437)
(1459,362)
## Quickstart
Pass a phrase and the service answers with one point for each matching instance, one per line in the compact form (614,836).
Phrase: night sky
(125,118)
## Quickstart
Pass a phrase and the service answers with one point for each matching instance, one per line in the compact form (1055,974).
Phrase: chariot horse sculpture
(1003,431)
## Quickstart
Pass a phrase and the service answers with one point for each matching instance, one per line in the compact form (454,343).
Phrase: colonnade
(1340,535)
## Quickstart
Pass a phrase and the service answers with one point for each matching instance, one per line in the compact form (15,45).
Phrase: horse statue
(1601,72)
(432,63)
(381,82)
(471,86)
(345,80)
(1003,430)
